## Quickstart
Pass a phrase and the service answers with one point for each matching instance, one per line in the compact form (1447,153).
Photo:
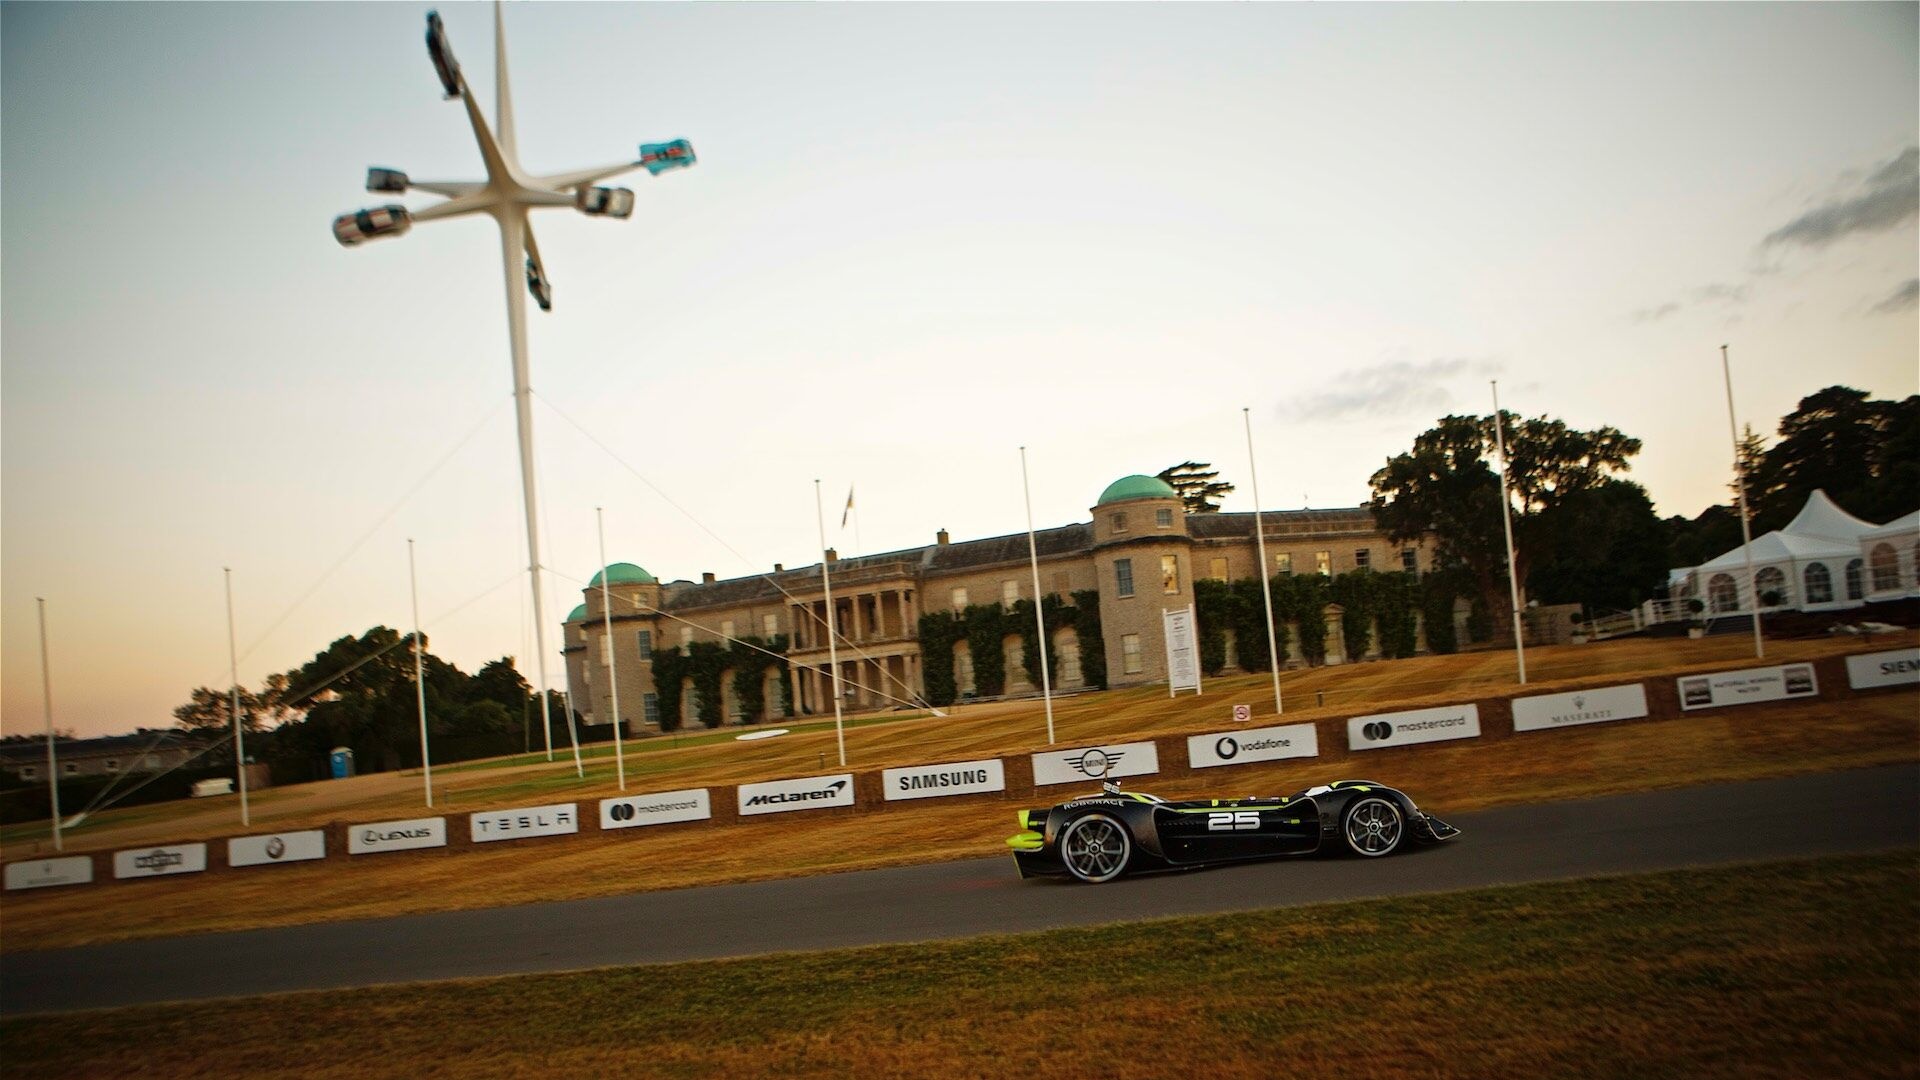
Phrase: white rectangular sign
(1896,667)
(1747,686)
(1095,763)
(160,861)
(953,778)
(1596,706)
(659,808)
(1183,653)
(405,835)
(1251,745)
(41,873)
(558,819)
(782,796)
(1413,726)
(277,848)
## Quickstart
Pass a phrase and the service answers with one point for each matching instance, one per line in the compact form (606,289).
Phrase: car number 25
(1230,822)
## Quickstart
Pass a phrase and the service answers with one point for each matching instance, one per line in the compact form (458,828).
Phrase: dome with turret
(623,573)
(1137,487)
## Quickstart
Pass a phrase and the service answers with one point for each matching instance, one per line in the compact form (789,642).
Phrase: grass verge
(1778,970)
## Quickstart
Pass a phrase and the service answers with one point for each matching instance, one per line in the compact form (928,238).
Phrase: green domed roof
(578,614)
(623,573)
(1137,487)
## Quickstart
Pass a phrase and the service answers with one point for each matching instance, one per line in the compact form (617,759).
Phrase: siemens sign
(660,808)
(1413,727)
(1897,667)
(1256,744)
(785,796)
(1596,706)
(934,781)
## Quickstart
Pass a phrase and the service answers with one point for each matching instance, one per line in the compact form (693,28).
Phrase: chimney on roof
(777,568)
(706,578)
(940,538)
(832,555)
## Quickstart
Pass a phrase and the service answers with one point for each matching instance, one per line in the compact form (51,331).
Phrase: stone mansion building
(1141,553)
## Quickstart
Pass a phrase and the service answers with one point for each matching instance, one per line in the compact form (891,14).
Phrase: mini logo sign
(1095,763)
(1413,727)
(46,873)
(660,808)
(278,848)
(408,835)
(557,819)
(1600,705)
(160,861)
(1252,745)
(936,781)
(785,796)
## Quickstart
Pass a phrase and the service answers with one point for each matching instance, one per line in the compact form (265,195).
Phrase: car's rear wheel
(1374,827)
(1095,848)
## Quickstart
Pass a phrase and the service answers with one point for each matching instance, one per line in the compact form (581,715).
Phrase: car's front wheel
(1095,848)
(1374,827)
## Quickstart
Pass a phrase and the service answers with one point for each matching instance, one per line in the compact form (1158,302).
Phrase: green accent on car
(1026,841)
(1137,487)
(1207,810)
(623,573)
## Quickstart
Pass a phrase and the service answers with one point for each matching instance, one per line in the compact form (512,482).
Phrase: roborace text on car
(1099,837)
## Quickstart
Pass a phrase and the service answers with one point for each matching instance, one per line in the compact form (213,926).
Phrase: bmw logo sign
(276,847)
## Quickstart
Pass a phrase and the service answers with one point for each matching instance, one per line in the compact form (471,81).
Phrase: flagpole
(233,671)
(1039,619)
(420,678)
(833,648)
(1746,530)
(1506,523)
(46,684)
(1266,581)
(613,677)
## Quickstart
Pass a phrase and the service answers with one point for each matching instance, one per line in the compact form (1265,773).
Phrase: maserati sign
(1596,706)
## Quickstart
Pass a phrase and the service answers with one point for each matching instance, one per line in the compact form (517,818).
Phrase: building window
(646,645)
(1722,594)
(1163,519)
(1217,568)
(769,626)
(1409,560)
(1169,574)
(1323,563)
(1062,584)
(1855,589)
(1130,654)
(650,703)
(1009,593)
(1772,586)
(1886,568)
(960,598)
(1123,578)
(1119,522)
(726,629)
(1819,582)
(686,636)
(1283,564)
(1363,559)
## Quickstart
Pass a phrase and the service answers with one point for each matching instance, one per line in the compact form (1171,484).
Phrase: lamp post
(508,194)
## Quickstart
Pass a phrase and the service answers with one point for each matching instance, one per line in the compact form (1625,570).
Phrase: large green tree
(1198,483)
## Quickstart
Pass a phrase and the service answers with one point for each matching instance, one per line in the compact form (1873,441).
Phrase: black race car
(1100,837)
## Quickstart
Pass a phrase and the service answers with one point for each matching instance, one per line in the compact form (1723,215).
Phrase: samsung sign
(934,781)
(1899,667)
(160,861)
(1747,686)
(287,847)
(1095,763)
(1413,727)
(1256,744)
(660,808)
(42,873)
(783,796)
(405,835)
(1597,706)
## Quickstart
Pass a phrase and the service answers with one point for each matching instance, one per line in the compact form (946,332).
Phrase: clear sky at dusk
(919,236)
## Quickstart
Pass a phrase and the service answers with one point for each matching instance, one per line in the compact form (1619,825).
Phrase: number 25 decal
(1224,822)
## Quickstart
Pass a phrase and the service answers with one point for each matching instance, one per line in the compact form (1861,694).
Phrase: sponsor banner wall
(1596,706)
(782,796)
(277,848)
(557,819)
(1747,686)
(160,861)
(954,778)
(1094,763)
(1251,745)
(1896,667)
(426,832)
(42,873)
(1413,727)
(659,808)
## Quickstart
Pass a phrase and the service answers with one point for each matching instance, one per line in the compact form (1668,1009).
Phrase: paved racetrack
(1864,810)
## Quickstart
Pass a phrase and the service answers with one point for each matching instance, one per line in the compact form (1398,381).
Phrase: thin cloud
(1720,292)
(1890,198)
(1904,298)
(1655,314)
(1396,388)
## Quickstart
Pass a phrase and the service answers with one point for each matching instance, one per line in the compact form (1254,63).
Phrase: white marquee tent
(1818,562)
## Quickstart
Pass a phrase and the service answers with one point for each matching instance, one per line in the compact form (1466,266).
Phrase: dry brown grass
(1787,970)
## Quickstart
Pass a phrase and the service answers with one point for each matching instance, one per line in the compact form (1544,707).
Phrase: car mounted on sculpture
(1099,837)
(659,157)
(360,226)
(440,51)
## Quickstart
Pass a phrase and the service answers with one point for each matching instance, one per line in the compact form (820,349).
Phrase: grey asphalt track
(1832,813)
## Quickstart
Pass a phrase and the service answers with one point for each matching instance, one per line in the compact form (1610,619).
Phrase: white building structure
(1892,554)
(1825,559)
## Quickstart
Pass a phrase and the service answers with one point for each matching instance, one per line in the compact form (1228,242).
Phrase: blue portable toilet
(342,759)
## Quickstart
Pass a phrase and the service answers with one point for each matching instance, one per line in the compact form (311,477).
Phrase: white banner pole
(1746,530)
(613,678)
(46,683)
(1039,620)
(420,677)
(233,671)
(1506,523)
(833,648)
(1266,582)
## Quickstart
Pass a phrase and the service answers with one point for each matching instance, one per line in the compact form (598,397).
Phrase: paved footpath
(1831,813)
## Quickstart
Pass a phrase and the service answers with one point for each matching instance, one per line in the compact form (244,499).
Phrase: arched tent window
(1855,589)
(1771,585)
(1722,595)
(1886,568)
(1819,583)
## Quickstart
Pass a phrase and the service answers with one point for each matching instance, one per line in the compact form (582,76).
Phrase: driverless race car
(1100,837)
